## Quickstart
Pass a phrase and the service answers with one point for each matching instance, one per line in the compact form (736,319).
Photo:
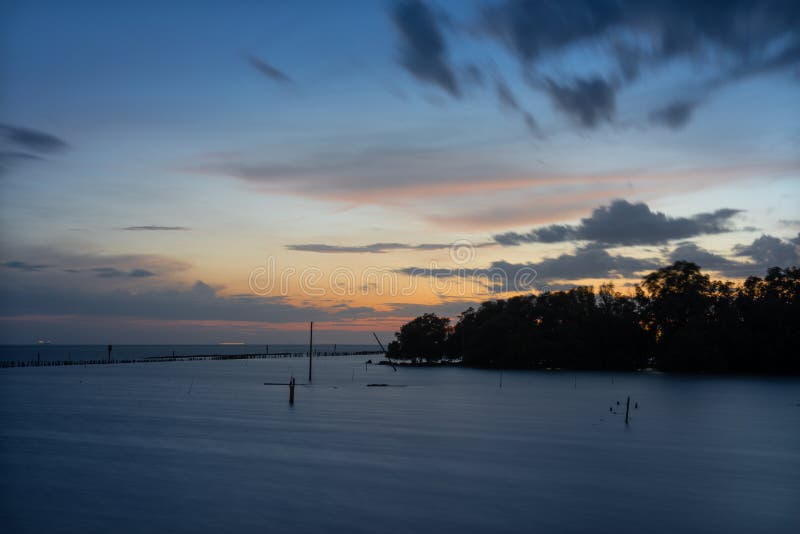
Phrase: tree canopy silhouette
(678,319)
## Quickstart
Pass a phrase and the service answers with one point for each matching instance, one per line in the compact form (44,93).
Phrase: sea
(213,446)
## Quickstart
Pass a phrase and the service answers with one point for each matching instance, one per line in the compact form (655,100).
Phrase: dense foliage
(678,319)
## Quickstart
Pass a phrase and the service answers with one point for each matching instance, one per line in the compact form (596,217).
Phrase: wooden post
(109,353)
(310,348)
(627,409)
(291,390)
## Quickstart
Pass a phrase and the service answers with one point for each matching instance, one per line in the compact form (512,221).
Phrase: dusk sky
(208,172)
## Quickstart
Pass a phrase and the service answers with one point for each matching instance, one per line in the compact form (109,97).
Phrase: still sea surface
(205,446)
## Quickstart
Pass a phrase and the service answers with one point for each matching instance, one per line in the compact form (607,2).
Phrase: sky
(204,172)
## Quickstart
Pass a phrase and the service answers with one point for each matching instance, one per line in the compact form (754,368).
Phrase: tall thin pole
(627,409)
(310,348)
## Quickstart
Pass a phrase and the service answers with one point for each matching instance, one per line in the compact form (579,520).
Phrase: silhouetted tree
(678,319)
(422,338)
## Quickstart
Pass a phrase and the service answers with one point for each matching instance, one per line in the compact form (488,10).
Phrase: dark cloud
(624,223)
(739,38)
(154,228)
(267,70)
(112,272)
(763,253)
(198,302)
(34,140)
(675,115)
(24,144)
(710,261)
(589,101)
(532,28)
(423,52)
(586,262)
(376,248)
(770,251)
(667,29)
(24,266)
(85,270)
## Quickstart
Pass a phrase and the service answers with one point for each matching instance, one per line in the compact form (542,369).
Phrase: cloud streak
(271,72)
(374,248)
(155,228)
(25,144)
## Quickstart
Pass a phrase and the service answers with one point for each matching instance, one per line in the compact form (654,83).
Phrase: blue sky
(239,132)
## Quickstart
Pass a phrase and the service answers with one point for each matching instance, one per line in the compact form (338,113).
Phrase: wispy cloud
(375,248)
(589,101)
(34,140)
(25,144)
(24,266)
(154,228)
(111,272)
(271,72)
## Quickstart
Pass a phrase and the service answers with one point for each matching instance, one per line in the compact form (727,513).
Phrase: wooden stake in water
(627,409)
(291,390)
(109,352)
(310,348)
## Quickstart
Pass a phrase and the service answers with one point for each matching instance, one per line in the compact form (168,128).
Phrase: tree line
(676,319)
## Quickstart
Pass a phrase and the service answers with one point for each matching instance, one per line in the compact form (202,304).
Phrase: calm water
(137,352)
(206,447)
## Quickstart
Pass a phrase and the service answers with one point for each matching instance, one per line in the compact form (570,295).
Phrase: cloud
(665,30)
(423,52)
(34,140)
(376,248)
(589,101)
(154,228)
(675,115)
(710,261)
(197,302)
(24,266)
(763,253)
(267,70)
(112,272)
(770,251)
(49,265)
(531,29)
(624,223)
(738,39)
(586,262)
(507,99)
(24,144)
